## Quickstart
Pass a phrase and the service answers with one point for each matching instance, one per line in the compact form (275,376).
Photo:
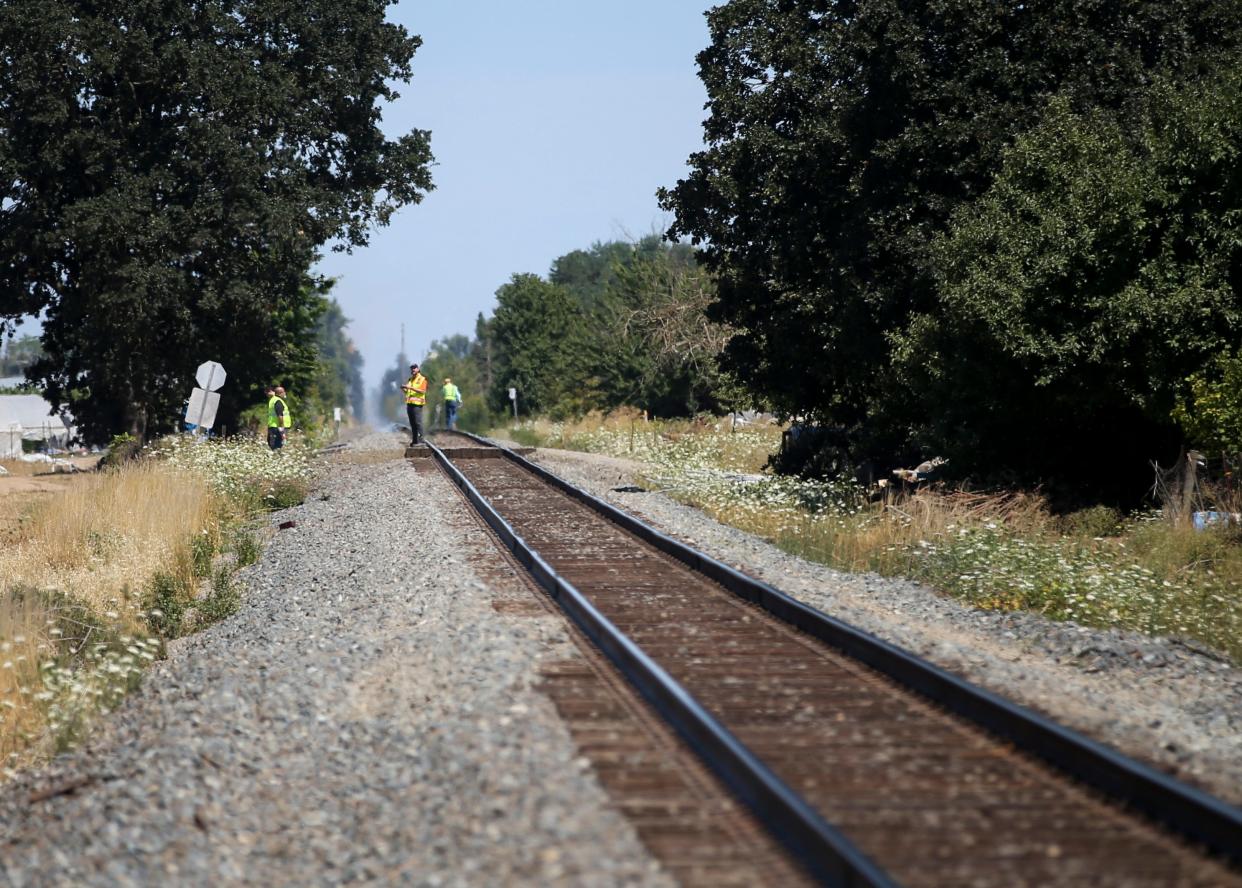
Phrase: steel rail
(828,855)
(1181,808)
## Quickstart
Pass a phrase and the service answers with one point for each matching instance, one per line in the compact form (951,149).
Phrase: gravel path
(1156,699)
(366,718)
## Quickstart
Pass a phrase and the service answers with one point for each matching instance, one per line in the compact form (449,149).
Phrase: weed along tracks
(870,766)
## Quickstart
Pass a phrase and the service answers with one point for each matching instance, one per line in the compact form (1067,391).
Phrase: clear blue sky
(553,123)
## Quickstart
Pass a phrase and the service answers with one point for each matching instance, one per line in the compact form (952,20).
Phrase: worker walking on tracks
(452,400)
(279,419)
(415,400)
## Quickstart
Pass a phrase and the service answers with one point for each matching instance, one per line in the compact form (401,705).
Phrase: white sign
(336,414)
(210,375)
(202,409)
(512,394)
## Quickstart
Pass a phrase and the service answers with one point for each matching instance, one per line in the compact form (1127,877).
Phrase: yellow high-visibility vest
(274,421)
(416,390)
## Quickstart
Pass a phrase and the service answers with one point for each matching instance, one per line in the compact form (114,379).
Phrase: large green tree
(1101,269)
(654,345)
(617,324)
(168,172)
(843,137)
(537,332)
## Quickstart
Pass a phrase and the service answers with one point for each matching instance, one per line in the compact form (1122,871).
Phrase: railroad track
(871,766)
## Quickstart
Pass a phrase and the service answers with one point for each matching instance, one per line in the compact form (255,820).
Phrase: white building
(29,418)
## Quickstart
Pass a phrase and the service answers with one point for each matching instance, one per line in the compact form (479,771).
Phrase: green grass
(166,600)
(202,551)
(223,601)
(528,437)
(246,547)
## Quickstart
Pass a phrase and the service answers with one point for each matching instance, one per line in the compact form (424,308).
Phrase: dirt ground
(28,484)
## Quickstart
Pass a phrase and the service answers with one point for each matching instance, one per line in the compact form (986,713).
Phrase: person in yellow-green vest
(279,419)
(452,400)
(415,400)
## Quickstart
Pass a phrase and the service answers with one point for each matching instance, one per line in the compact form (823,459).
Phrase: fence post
(1190,479)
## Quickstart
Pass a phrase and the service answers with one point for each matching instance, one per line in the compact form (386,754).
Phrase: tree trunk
(135,415)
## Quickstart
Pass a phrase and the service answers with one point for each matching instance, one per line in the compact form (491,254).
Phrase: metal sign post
(513,398)
(205,401)
(202,408)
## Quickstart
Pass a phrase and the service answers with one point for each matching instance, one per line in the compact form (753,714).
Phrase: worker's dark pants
(275,439)
(415,413)
(450,414)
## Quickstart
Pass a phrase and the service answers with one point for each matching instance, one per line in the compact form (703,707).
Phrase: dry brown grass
(23,624)
(15,511)
(98,543)
(888,528)
(108,530)
(20,469)
(17,468)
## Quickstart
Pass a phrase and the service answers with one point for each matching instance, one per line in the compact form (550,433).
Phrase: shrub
(1211,412)
(224,599)
(246,547)
(1097,521)
(91,682)
(121,449)
(165,604)
(202,550)
(284,493)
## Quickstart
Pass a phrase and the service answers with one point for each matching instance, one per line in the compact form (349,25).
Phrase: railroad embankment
(98,570)
(366,716)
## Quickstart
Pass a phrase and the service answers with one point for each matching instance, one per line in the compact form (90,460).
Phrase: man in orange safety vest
(415,400)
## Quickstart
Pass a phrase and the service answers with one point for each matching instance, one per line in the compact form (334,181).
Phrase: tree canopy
(541,345)
(862,162)
(616,324)
(168,172)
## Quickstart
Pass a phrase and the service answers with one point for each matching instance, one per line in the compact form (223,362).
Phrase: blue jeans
(450,414)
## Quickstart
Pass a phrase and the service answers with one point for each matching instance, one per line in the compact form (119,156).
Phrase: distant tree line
(1006,233)
(168,175)
(616,324)
(329,372)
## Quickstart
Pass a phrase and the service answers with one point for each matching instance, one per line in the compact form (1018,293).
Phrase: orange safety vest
(416,390)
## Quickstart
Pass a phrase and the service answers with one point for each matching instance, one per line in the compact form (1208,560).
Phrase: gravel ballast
(1162,701)
(366,717)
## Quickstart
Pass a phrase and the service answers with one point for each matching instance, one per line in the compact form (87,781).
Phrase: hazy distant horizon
(553,125)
